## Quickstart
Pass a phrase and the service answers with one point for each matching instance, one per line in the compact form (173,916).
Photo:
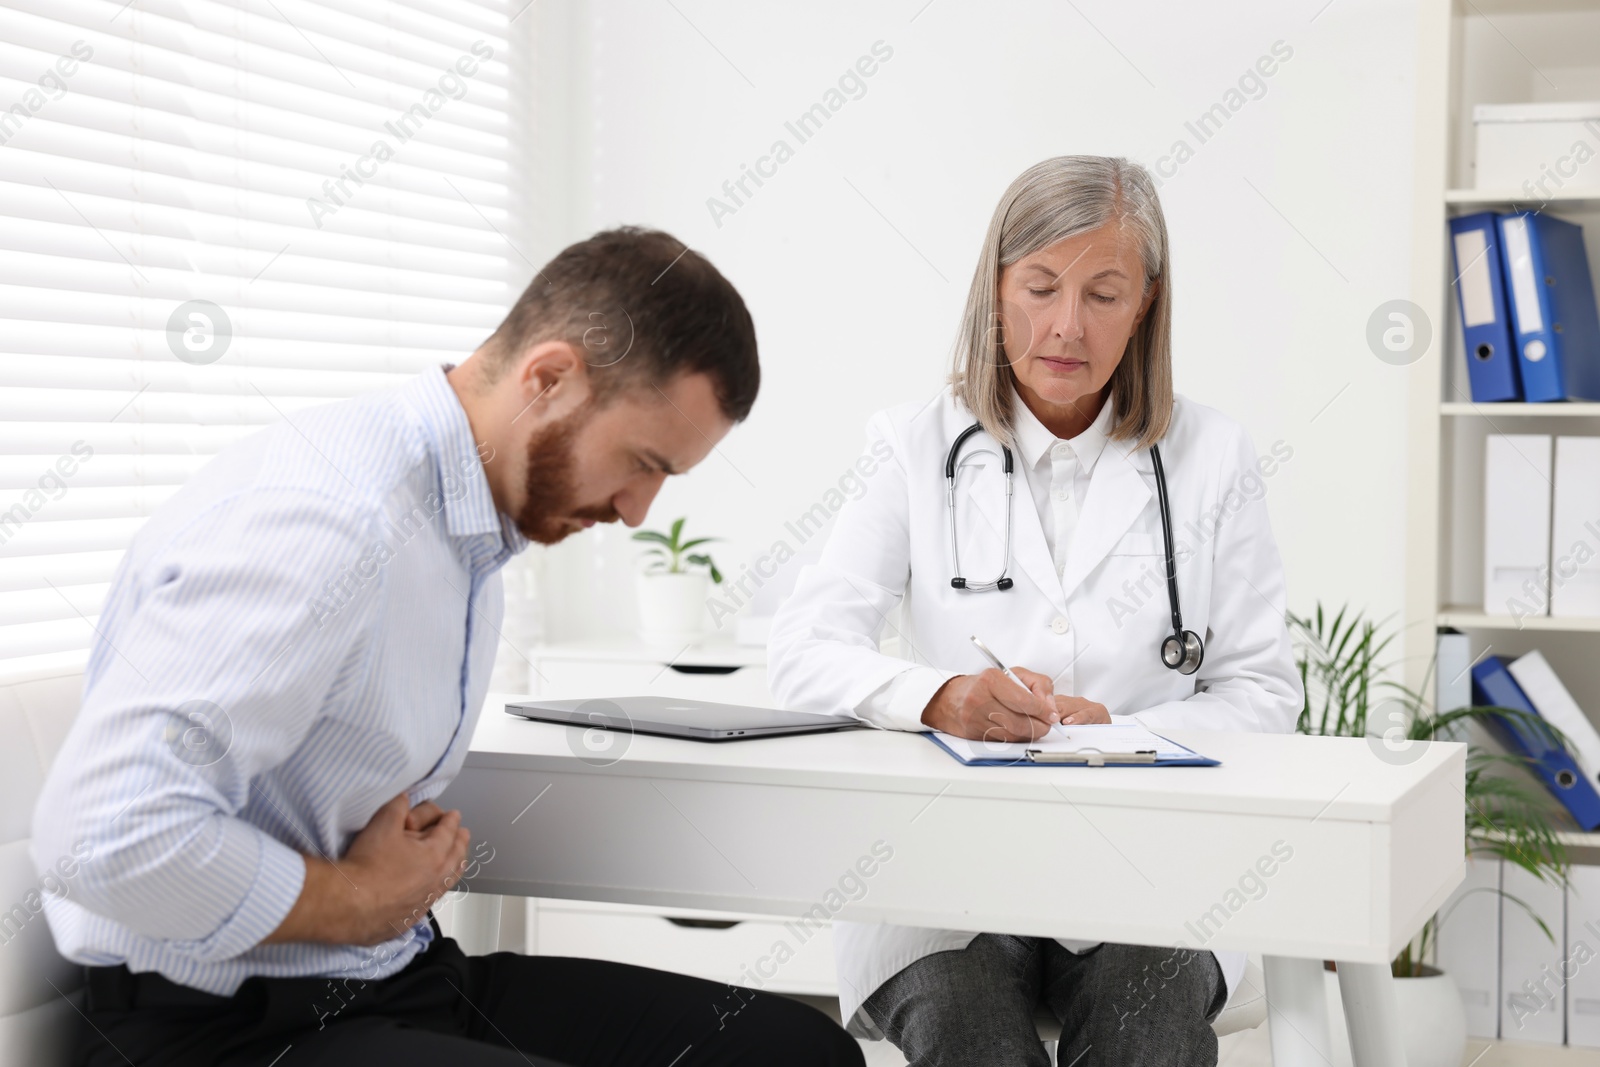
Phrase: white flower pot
(672,607)
(1433,1027)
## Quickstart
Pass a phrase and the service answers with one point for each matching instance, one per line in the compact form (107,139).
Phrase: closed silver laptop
(698,720)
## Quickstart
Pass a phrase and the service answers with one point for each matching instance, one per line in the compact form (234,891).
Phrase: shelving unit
(1479,52)
(1470,617)
(1520,411)
(1570,838)
(1489,52)
(1482,198)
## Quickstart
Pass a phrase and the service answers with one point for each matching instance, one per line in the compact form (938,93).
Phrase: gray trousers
(1118,1005)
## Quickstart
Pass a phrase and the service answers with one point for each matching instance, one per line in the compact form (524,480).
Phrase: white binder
(1453,677)
(1468,945)
(1583,948)
(1516,524)
(1575,529)
(1556,706)
(1533,998)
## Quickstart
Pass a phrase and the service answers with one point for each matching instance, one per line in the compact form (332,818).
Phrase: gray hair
(1049,202)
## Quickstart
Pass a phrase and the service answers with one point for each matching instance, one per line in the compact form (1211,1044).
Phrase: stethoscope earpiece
(1181,650)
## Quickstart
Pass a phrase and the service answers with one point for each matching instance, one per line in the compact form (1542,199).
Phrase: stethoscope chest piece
(1183,653)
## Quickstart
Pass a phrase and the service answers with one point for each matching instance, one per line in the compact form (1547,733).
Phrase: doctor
(1063,364)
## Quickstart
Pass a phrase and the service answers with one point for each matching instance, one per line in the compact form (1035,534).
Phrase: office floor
(1248,1049)
(1251,1048)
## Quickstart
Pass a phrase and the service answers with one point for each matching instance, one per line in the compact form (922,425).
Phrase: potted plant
(674,588)
(1509,814)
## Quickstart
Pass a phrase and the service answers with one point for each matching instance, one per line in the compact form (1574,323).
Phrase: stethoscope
(1181,650)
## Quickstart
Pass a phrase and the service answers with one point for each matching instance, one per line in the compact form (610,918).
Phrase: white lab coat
(1096,627)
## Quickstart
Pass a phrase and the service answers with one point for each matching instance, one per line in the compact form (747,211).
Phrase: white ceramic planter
(1432,1023)
(672,607)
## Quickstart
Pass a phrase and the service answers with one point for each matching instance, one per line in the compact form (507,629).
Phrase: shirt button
(1060,625)
(1063,496)
(1061,449)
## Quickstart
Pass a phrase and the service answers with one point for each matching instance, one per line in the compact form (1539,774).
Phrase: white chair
(40,993)
(1245,1010)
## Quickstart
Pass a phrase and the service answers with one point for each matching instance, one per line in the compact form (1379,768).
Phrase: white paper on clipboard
(1104,738)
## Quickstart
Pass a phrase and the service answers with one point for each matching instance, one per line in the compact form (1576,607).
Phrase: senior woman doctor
(1064,359)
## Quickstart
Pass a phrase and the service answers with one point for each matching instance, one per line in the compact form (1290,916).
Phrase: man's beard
(552,484)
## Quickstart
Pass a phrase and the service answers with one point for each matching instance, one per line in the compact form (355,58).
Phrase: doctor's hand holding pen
(997,706)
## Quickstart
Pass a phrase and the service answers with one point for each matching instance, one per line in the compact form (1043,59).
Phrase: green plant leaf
(1523,904)
(651,535)
(677,531)
(703,560)
(697,542)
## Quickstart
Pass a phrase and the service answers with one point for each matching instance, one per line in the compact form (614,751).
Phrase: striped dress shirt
(303,632)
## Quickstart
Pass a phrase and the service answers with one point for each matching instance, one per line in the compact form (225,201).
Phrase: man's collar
(1034,440)
(468,504)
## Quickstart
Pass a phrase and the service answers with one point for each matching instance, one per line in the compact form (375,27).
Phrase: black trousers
(447,1008)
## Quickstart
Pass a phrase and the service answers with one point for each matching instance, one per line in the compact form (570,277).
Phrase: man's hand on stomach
(400,863)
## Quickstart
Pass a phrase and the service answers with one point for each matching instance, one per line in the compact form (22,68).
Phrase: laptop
(697,720)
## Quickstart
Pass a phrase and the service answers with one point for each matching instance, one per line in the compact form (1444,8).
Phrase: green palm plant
(1339,668)
(670,554)
(1509,816)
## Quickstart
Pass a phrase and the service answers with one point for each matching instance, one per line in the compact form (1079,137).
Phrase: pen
(994,659)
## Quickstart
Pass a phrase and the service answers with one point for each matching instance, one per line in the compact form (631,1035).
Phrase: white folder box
(1583,958)
(1556,706)
(1520,144)
(1453,677)
(1516,524)
(1468,944)
(1575,529)
(1532,989)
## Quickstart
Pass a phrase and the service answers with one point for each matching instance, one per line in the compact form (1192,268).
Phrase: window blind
(215,214)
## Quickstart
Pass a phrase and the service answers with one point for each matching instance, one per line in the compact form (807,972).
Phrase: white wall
(1290,225)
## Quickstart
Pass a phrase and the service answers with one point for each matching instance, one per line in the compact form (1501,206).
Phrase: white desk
(1125,854)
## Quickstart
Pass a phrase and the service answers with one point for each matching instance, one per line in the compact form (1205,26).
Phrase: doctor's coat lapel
(1117,494)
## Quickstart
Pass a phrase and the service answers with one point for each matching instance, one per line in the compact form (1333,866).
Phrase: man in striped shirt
(290,664)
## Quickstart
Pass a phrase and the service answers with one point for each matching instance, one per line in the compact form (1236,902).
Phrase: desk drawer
(567,679)
(745,953)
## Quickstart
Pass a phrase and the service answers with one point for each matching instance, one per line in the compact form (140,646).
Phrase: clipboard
(1158,751)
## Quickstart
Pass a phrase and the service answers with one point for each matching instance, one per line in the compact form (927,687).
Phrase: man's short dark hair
(642,308)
